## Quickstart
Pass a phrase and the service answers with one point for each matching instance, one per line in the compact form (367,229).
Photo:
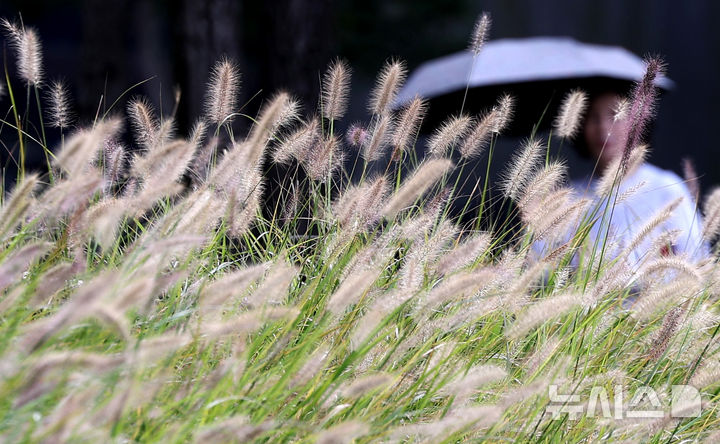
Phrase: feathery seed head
(365,384)
(503,112)
(464,254)
(312,366)
(335,90)
(81,149)
(357,136)
(421,180)
(351,290)
(12,31)
(343,432)
(474,144)
(521,169)
(380,134)
(324,158)
(28,51)
(388,83)
(114,156)
(655,221)
(545,181)
(467,385)
(144,122)
(691,178)
(281,110)
(615,172)
(298,144)
(711,210)
(223,89)
(198,133)
(572,109)
(480,33)
(357,207)
(30,58)
(203,154)
(452,129)
(642,106)
(620,110)
(60,115)
(542,311)
(407,126)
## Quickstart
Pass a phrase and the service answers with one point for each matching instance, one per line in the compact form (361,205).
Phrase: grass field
(145,297)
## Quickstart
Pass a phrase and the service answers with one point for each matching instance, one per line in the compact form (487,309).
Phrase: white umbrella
(538,70)
(509,61)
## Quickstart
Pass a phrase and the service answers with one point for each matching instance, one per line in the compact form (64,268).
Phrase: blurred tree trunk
(205,31)
(104,53)
(298,45)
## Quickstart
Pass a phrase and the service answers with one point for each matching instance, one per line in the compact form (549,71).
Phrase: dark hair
(601,87)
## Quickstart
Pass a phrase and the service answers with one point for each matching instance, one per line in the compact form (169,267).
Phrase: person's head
(603,135)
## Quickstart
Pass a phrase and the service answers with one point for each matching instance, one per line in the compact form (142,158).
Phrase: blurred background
(103,47)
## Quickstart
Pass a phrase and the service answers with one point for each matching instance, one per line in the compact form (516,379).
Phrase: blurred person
(642,193)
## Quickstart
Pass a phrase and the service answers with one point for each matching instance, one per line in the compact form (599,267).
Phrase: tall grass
(147,298)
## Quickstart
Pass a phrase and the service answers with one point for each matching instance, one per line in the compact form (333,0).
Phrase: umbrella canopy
(538,71)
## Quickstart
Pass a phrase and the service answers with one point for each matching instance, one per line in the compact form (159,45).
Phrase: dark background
(104,47)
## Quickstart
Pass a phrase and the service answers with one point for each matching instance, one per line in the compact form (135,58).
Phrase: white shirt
(644,193)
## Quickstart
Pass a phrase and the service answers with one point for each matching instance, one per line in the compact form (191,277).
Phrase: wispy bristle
(344,432)
(464,254)
(15,205)
(28,50)
(548,179)
(80,151)
(422,179)
(198,133)
(324,158)
(387,85)
(365,384)
(297,145)
(571,112)
(664,296)
(350,290)
(201,162)
(406,129)
(19,261)
(451,130)
(226,289)
(620,109)
(615,173)
(691,178)
(503,113)
(480,33)
(12,31)
(223,90)
(519,174)
(380,134)
(335,90)
(468,384)
(711,210)
(280,111)
(60,115)
(113,163)
(358,207)
(642,106)
(30,58)
(656,220)
(475,143)
(144,121)
(357,135)
(540,312)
